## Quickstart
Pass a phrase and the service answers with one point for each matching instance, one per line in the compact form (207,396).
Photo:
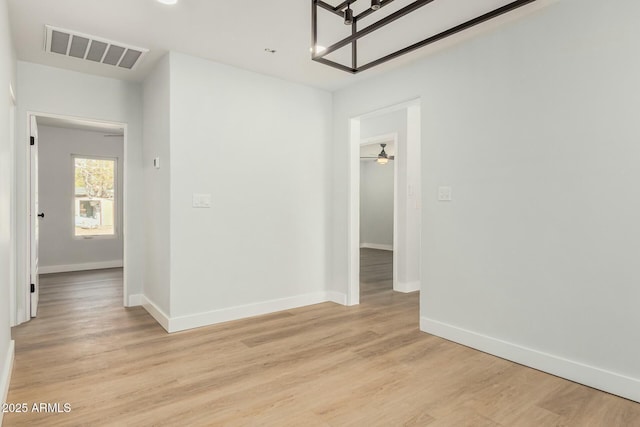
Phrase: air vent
(91,48)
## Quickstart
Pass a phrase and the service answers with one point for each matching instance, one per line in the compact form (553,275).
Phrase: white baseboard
(5,375)
(376,246)
(337,297)
(155,312)
(182,323)
(407,287)
(135,300)
(47,269)
(591,376)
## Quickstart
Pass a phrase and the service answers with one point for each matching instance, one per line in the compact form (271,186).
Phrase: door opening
(378,211)
(400,126)
(76,199)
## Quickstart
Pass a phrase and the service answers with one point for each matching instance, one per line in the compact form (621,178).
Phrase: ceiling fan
(382,158)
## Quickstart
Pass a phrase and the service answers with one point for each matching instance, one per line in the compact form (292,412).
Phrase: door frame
(26,291)
(13,315)
(353,225)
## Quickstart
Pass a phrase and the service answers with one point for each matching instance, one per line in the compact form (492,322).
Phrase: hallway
(376,274)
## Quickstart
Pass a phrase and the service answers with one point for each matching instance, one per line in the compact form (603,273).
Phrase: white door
(36,216)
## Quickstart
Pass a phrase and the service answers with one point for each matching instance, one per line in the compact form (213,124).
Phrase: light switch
(202,200)
(444,194)
(156,162)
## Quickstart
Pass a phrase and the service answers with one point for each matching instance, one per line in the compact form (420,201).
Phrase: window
(94,196)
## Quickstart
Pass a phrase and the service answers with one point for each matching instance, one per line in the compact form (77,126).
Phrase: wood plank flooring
(322,365)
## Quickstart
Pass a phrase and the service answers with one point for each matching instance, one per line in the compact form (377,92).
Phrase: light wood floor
(323,365)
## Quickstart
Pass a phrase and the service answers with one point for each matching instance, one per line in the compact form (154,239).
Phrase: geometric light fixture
(348,16)
(346,12)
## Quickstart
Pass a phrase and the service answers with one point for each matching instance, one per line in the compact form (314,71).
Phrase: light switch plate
(444,194)
(201,200)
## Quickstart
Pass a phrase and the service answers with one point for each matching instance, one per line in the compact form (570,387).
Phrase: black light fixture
(383,159)
(348,16)
(344,11)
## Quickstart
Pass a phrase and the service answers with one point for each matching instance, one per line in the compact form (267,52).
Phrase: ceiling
(235,33)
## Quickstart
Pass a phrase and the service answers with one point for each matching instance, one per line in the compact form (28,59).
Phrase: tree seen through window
(95,183)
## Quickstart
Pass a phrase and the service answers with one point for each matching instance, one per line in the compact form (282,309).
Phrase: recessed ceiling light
(167,1)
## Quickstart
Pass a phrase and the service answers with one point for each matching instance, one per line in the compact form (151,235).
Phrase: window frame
(116,194)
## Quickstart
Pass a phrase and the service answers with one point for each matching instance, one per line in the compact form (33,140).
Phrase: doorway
(400,123)
(378,210)
(74,163)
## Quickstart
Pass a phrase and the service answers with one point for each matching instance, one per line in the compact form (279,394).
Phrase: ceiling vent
(90,48)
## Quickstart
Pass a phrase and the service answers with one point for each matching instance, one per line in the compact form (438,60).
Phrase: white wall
(7,77)
(534,125)
(59,249)
(376,204)
(55,91)
(385,124)
(157,186)
(258,146)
